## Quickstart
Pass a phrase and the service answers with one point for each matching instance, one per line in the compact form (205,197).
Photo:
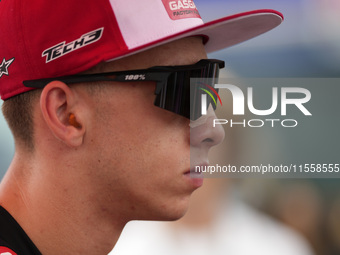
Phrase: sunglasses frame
(158,74)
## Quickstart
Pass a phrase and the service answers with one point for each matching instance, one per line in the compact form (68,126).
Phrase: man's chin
(170,212)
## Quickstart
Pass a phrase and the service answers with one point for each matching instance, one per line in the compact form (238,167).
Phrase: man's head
(112,136)
(108,136)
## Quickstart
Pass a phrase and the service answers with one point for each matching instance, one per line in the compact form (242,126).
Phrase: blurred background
(260,216)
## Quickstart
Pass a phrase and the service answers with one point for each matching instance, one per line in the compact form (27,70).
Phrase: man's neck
(57,218)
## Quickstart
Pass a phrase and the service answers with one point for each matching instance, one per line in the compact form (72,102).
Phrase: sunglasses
(174,91)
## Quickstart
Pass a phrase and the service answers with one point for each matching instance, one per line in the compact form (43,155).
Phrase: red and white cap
(42,39)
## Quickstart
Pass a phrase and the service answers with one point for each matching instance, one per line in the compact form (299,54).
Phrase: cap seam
(112,17)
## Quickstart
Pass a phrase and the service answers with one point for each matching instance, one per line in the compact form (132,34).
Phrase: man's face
(140,157)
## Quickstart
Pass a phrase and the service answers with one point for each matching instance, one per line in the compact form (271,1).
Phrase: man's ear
(60,108)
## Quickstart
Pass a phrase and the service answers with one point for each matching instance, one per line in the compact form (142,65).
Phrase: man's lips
(195,171)
(195,176)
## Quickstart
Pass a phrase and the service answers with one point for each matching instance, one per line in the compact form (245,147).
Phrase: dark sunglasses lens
(174,94)
(202,91)
(183,98)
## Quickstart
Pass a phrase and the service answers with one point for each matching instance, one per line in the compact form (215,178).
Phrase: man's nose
(203,134)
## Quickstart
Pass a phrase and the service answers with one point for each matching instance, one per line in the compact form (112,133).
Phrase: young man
(111,144)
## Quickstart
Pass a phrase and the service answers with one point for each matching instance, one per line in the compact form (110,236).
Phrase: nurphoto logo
(281,98)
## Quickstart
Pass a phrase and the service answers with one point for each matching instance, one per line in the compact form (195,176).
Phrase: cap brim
(227,31)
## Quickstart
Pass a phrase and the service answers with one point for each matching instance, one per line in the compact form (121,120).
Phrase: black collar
(14,237)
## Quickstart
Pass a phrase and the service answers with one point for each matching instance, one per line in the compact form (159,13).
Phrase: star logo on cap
(4,66)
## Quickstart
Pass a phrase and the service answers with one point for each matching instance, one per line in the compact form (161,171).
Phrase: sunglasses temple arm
(159,77)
